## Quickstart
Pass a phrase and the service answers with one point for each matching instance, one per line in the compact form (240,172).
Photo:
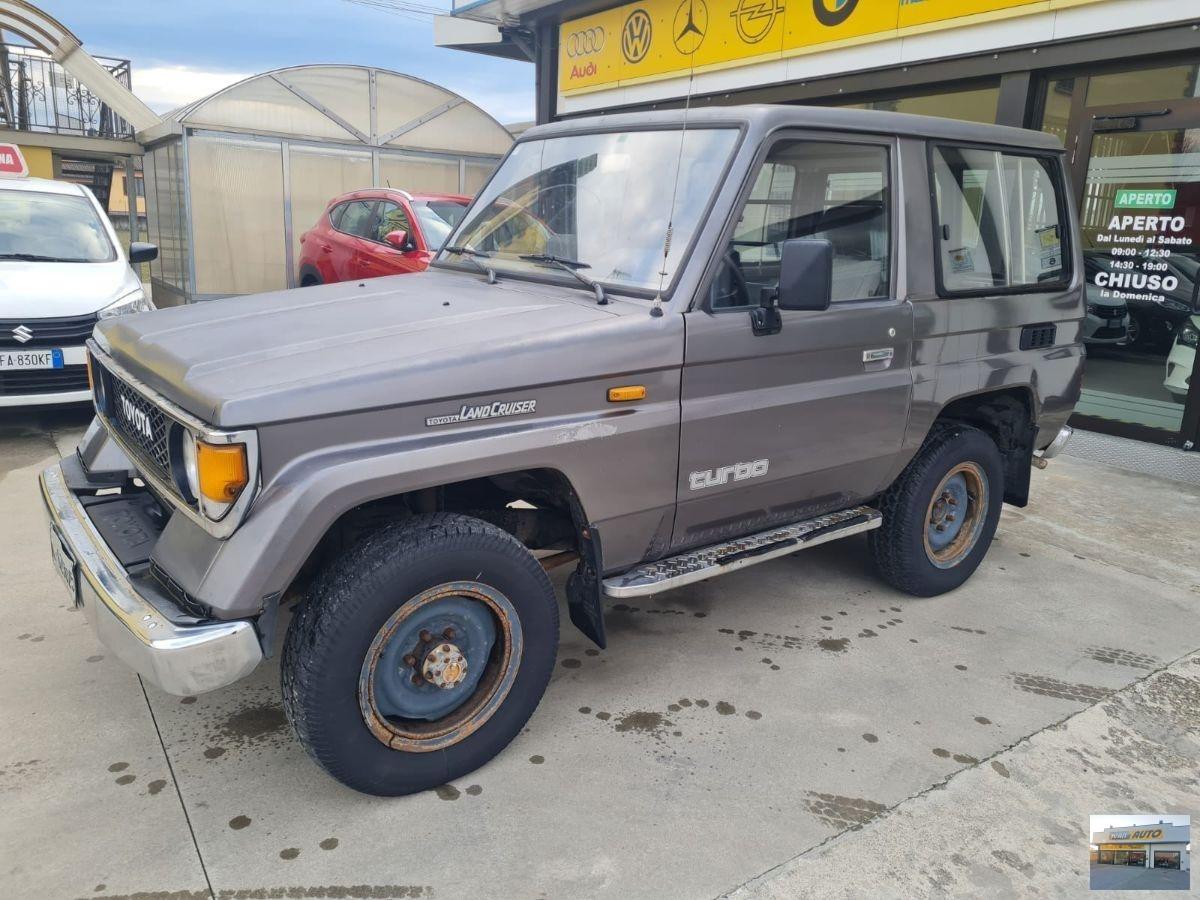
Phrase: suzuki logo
(635,36)
(22,334)
(135,418)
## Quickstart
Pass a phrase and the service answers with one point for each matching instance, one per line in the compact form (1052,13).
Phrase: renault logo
(833,12)
(22,334)
(690,25)
(585,42)
(635,36)
(755,18)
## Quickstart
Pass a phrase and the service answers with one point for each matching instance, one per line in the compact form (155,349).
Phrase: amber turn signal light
(221,470)
(627,393)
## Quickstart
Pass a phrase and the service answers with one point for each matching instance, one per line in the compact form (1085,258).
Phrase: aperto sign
(1130,198)
(654,39)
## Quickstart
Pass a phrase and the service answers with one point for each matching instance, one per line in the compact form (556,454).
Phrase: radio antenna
(656,307)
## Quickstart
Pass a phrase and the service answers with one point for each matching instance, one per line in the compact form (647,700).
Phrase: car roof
(763,118)
(44,185)
(393,193)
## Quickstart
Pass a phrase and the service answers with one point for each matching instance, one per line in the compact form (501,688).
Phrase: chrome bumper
(180,659)
(1056,446)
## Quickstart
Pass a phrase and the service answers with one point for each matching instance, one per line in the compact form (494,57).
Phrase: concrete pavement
(788,711)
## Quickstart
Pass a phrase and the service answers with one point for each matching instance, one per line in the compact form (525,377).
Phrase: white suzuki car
(62,269)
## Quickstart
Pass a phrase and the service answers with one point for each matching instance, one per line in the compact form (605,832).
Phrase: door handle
(878,359)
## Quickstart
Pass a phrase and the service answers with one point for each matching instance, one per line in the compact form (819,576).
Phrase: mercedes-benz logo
(690,26)
(22,334)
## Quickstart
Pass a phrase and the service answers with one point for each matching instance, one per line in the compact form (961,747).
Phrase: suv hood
(46,290)
(337,348)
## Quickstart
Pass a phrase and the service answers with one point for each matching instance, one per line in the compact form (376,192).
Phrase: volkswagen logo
(755,18)
(635,36)
(585,42)
(22,334)
(833,12)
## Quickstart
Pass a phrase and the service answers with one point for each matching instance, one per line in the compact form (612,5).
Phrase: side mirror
(398,239)
(805,274)
(140,252)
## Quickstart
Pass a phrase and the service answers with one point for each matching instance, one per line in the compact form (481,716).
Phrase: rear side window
(358,219)
(1000,224)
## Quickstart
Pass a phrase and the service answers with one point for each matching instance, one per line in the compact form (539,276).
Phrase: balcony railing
(37,94)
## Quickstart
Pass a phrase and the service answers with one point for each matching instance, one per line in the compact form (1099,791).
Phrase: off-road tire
(352,599)
(898,546)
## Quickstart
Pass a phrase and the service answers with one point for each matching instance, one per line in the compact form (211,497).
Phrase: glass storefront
(1135,138)
(975,104)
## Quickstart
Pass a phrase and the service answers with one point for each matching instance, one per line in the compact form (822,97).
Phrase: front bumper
(180,659)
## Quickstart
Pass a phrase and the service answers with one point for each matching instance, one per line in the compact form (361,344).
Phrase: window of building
(972,105)
(998,220)
(807,189)
(1166,83)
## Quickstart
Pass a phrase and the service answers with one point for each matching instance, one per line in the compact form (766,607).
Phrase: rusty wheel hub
(445,666)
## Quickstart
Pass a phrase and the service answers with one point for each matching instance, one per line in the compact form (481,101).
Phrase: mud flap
(1018,460)
(585,598)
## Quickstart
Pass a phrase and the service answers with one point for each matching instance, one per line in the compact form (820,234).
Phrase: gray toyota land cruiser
(659,347)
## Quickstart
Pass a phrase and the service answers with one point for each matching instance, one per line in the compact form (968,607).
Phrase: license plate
(31,359)
(65,564)
(1116,323)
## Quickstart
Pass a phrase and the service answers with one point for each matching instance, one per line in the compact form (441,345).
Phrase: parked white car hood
(39,290)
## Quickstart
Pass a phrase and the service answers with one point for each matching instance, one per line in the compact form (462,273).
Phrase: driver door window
(810,189)
(392,217)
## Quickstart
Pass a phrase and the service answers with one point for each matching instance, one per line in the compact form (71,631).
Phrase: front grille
(1105,333)
(17,382)
(142,424)
(71,331)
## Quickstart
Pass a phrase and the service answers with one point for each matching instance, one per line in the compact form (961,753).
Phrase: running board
(718,559)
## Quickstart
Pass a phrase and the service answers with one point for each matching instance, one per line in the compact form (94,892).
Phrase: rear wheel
(420,654)
(940,515)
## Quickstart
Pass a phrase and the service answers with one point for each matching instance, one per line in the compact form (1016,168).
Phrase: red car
(375,232)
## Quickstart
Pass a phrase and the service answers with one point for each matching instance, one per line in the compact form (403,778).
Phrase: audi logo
(585,42)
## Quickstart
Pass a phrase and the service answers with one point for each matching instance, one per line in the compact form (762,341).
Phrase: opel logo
(585,42)
(22,334)
(635,36)
(690,26)
(755,18)
(833,12)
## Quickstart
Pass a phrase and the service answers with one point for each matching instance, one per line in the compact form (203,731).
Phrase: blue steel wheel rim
(956,514)
(421,717)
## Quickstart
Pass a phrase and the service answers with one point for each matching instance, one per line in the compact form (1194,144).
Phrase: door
(778,428)
(355,226)
(1141,239)
(378,257)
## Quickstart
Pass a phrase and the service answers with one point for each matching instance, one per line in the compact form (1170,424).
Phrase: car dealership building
(1117,80)
(1160,846)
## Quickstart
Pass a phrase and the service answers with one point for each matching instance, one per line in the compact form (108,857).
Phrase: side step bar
(729,556)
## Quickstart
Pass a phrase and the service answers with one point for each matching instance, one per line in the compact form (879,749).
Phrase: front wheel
(940,515)
(420,654)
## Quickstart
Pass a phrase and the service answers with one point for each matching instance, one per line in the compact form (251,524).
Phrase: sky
(1099,823)
(182,50)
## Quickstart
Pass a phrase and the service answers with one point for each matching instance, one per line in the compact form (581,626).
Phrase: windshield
(46,227)
(438,218)
(603,200)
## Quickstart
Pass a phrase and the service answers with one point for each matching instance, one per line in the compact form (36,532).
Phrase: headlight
(214,474)
(133,302)
(1189,335)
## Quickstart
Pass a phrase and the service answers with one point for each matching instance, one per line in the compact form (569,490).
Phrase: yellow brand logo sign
(655,39)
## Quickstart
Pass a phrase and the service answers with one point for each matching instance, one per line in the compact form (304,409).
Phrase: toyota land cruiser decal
(737,472)
(487,411)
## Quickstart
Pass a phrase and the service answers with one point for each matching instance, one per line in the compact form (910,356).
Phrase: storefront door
(1166,859)
(1139,173)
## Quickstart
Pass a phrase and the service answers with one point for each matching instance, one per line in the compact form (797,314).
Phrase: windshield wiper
(474,256)
(571,266)
(37,257)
